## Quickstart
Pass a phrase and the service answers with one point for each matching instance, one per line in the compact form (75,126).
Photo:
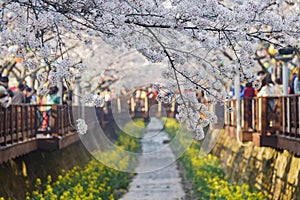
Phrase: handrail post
(119,105)
(159,108)
(242,110)
(263,115)
(298,125)
(132,106)
(254,113)
(10,126)
(54,120)
(146,104)
(5,125)
(288,115)
(35,121)
(225,115)
(238,102)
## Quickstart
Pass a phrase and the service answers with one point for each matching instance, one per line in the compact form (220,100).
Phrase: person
(292,85)
(267,88)
(278,89)
(33,97)
(297,83)
(5,99)
(249,94)
(19,96)
(28,95)
(123,91)
(232,91)
(261,75)
(4,82)
(248,90)
(52,98)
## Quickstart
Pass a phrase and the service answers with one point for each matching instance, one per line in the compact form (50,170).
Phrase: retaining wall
(274,172)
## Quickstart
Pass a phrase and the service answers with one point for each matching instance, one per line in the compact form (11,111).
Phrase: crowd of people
(269,87)
(23,94)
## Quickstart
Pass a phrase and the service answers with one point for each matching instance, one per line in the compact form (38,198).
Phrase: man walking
(19,96)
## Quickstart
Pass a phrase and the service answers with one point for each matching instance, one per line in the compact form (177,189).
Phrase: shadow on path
(156,177)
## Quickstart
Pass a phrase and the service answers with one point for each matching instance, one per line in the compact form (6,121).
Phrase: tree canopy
(192,36)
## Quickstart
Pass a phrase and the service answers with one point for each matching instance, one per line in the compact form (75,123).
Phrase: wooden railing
(17,123)
(26,128)
(230,116)
(23,122)
(140,107)
(275,119)
(272,115)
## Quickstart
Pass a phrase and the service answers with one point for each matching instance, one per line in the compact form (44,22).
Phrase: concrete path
(157,174)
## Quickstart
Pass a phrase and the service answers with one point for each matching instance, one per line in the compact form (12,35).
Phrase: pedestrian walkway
(157,174)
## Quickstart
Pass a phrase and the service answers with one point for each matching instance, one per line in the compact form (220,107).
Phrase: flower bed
(95,180)
(208,178)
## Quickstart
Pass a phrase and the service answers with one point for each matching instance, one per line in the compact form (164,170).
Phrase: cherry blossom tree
(190,35)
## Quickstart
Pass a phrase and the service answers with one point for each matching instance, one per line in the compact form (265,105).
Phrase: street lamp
(285,55)
(77,90)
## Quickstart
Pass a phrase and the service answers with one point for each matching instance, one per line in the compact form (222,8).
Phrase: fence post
(119,105)
(5,125)
(288,115)
(159,109)
(54,121)
(245,113)
(237,93)
(263,115)
(132,104)
(35,129)
(146,104)
(298,103)
(11,127)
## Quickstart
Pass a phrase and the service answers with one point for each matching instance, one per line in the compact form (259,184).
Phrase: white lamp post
(237,93)
(61,92)
(285,55)
(77,91)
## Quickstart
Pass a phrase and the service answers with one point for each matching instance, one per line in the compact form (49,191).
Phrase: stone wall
(274,172)
(19,175)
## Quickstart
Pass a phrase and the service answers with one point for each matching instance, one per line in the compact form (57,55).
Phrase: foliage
(171,126)
(95,180)
(207,175)
(125,139)
(206,43)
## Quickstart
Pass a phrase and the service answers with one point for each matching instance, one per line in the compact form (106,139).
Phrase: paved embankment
(157,174)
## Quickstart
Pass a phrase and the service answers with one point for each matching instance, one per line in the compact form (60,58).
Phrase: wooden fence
(25,128)
(17,123)
(268,121)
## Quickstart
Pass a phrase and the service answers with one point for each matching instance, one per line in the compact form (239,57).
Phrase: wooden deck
(23,128)
(268,121)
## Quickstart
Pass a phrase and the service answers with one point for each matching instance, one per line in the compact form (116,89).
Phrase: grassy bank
(206,174)
(95,180)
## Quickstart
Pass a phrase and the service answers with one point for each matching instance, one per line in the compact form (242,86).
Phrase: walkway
(157,174)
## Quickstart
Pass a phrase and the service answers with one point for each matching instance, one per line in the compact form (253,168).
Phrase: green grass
(206,174)
(95,180)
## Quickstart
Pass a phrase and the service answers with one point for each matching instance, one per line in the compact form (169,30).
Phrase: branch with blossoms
(194,113)
(175,27)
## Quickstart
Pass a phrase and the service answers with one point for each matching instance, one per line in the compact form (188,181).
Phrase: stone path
(157,174)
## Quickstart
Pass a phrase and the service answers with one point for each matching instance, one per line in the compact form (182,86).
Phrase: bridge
(23,128)
(265,121)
